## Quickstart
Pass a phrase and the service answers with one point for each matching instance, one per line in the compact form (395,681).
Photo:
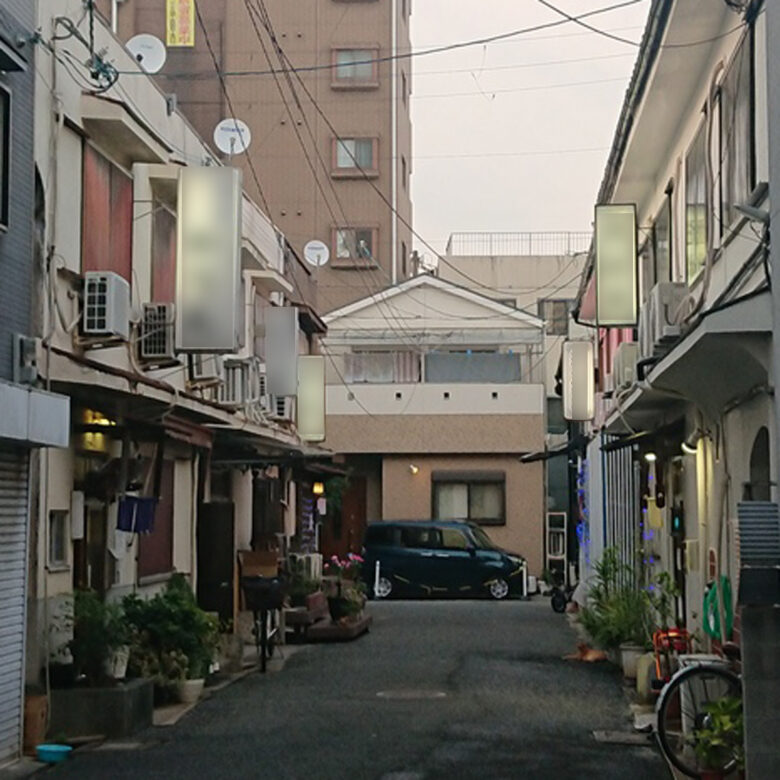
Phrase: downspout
(394,140)
(114,15)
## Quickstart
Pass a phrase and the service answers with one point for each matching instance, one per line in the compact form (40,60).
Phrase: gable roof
(491,306)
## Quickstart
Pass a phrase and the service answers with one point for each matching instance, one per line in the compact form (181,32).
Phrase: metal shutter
(13,575)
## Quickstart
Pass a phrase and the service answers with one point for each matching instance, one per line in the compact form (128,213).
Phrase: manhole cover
(411,694)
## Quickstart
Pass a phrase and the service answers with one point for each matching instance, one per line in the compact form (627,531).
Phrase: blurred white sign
(616,265)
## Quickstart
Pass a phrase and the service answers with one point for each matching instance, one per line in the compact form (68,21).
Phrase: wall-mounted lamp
(414,469)
(651,457)
(318,488)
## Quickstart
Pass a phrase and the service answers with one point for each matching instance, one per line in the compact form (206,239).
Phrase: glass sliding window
(452,501)
(475,496)
(696,205)
(736,132)
(355,244)
(355,153)
(355,65)
(662,242)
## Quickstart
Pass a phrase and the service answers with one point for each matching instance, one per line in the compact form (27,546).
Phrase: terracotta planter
(190,690)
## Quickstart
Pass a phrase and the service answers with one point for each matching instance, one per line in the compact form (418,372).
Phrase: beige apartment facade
(434,394)
(331,143)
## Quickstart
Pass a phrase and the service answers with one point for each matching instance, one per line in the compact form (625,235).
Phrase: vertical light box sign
(208,260)
(281,350)
(311,397)
(180,22)
(578,381)
(616,266)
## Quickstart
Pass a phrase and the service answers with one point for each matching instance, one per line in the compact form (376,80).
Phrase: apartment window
(662,241)
(58,529)
(696,205)
(355,244)
(475,496)
(736,132)
(401,367)
(355,156)
(555,313)
(404,263)
(355,68)
(107,220)
(5,154)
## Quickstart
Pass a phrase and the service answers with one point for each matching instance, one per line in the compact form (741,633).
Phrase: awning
(577,444)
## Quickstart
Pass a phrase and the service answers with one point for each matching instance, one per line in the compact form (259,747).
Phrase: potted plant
(719,743)
(347,597)
(175,640)
(300,586)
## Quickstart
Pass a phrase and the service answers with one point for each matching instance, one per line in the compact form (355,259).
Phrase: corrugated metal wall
(13,569)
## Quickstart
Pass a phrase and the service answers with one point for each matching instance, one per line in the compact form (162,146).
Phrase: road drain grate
(623,738)
(411,694)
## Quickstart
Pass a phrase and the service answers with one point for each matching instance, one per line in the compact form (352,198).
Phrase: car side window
(453,539)
(381,536)
(420,537)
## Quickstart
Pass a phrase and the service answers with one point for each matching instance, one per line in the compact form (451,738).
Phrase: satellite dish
(316,253)
(148,51)
(232,136)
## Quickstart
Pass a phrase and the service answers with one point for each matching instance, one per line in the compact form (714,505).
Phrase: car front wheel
(383,589)
(498,589)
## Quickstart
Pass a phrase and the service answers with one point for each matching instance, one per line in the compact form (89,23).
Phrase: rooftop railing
(521,244)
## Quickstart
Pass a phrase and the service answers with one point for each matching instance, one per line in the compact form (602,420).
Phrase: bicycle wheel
(682,710)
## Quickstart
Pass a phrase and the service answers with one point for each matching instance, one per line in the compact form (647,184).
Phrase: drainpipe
(114,15)
(394,140)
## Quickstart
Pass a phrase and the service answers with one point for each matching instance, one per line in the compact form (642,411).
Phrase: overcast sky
(504,156)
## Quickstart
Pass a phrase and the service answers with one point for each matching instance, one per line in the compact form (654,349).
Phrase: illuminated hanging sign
(208,260)
(180,22)
(281,350)
(311,397)
(578,381)
(616,266)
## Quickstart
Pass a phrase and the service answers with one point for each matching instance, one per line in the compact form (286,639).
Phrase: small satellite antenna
(316,253)
(232,136)
(148,51)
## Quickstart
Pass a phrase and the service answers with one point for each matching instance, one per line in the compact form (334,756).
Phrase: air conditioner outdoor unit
(205,369)
(624,365)
(657,325)
(156,341)
(234,389)
(106,304)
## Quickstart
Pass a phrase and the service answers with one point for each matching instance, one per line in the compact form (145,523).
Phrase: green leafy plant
(171,633)
(99,628)
(617,610)
(300,585)
(663,593)
(721,740)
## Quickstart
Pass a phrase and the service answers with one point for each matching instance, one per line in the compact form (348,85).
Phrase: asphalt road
(436,690)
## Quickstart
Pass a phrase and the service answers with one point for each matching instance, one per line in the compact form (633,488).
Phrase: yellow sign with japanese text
(180,22)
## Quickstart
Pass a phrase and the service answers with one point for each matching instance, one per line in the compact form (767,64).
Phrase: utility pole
(761,624)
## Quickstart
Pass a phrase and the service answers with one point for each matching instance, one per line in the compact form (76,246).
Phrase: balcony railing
(520,244)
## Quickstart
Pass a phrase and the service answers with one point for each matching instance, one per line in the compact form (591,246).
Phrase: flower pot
(190,690)
(629,658)
(115,665)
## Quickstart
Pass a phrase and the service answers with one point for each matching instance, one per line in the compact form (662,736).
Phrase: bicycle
(686,707)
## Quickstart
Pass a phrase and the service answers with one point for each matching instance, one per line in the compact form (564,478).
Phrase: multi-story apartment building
(31,419)
(434,393)
(331,143)
(539,273)
(684,439)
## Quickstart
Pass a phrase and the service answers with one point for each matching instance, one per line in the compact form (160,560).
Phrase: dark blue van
(438,558)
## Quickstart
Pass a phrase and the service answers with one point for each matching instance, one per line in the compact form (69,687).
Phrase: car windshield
(482,539)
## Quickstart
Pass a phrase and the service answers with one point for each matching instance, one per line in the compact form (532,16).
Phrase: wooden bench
(301,619)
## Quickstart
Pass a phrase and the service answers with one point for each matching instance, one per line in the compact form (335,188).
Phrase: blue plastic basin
(52,754)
